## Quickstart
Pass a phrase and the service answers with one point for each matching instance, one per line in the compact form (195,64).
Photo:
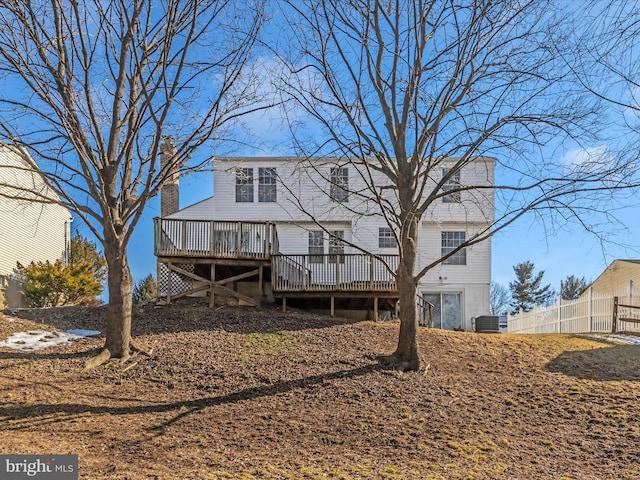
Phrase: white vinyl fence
(593,312)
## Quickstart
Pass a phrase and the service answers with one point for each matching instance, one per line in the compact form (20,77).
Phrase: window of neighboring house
(339,189)
(267,184)
(451,241)
(336,246)
(244,185)
(386,238)
(452,183)
(316,246)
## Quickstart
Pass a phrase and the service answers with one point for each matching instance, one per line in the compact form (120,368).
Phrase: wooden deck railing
(330,273)
(214,239)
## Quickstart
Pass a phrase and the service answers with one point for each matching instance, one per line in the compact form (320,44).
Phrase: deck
(196,252)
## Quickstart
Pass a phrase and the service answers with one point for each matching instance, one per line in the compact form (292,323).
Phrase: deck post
(375,309)
(212,236)
(333,305)
(184,237)
(284,304)
(371,272)
(260,284)
(304,273)
(169,286)
(212,301)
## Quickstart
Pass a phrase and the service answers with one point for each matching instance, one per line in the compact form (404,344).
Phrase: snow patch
(615,338)
(38,339)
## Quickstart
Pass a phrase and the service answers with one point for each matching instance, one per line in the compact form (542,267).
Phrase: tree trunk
(118,341)
(407,355)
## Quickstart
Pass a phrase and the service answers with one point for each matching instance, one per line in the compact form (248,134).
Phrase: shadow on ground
(615,363)
(40,413)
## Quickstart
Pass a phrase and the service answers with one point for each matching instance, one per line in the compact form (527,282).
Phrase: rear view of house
(305,232)
(36,230)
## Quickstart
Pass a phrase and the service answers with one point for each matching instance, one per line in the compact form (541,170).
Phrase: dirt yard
(245,393)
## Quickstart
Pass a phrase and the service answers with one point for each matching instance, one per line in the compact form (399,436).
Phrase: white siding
(198,211)
(30,231)
(304,186)
(471,280)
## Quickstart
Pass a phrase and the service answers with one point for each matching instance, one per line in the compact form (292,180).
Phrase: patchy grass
(257,394)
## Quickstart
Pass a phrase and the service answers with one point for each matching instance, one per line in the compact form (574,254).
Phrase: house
(309,233)
(31,230)
(620,277)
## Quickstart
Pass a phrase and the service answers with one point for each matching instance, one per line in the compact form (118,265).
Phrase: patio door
(447,309)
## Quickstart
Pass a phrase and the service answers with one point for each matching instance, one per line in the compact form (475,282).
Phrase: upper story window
(451,241)
(339,189)
(336,246)
(244,185)
(316,246)
(452,183)
(267,185)
(386,239)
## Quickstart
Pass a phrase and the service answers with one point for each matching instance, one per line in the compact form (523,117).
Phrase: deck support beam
(212,292)
(375,309)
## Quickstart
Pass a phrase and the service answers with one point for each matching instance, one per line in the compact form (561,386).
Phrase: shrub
(78,283)
(51,284)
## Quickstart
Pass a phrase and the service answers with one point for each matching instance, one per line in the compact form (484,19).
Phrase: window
(267,184)
(339,190)
(386,238)
(452,183)
(244,185)
(316,246)
(451,241)
(336,246)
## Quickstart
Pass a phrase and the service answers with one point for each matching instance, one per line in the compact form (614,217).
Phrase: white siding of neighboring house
(301,185)
(617,277)
(29,231)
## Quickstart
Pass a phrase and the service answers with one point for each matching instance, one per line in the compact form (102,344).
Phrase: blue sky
(557,248)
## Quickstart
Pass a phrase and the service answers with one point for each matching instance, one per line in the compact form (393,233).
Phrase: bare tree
(499,299)
(89,89)
(414,91)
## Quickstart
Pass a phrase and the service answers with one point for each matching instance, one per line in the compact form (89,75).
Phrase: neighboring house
(257,213)
(30,230)
(620,276)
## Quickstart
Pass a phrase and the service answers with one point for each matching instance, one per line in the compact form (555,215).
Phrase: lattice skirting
(179,283)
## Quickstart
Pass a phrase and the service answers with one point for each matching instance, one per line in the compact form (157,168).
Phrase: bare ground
(245,393)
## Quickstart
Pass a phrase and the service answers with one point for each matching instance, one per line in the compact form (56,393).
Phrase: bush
(78,283)
(51,284)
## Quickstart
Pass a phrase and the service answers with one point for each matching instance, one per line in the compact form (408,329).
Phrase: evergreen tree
(84,254)
(145,290)
(572,287)
(526,290)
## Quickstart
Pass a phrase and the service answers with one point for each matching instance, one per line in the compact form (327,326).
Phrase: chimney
(170,191)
